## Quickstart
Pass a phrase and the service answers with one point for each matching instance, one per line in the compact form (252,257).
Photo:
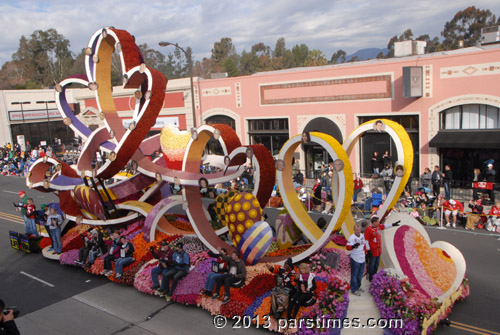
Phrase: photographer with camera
(7,323)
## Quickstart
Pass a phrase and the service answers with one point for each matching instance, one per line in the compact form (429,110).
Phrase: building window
(272,133)
(221,119)
(470,116)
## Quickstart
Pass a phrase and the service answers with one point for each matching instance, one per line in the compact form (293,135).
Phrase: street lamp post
(21,103)
(190,65)
(47,102)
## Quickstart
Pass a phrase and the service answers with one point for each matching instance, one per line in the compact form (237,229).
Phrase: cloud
(324,25)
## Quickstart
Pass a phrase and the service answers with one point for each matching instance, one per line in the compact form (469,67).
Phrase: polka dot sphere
(241,212)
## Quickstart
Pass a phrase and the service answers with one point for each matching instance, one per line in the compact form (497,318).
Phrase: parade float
(411,285)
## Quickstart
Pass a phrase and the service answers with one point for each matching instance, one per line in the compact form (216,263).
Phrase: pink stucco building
(453,118)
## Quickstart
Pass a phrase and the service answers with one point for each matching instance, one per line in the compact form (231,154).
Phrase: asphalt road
(36,284)
(16,286)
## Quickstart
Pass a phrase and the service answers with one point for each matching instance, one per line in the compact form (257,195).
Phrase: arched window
(470,116)
(224,119)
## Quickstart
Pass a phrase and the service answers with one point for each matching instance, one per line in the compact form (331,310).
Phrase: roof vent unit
(409,48)
(218,75)
(490,35)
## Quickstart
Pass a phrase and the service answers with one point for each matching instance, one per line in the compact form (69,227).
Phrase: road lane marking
(36,278)
(10,192)
(11,215)
(485,331)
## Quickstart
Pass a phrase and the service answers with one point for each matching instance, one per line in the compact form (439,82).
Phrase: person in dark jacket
(179,268)
(489,176)
(386,158)
(7,324)
(237,273)
(436,179)
(285,287)
(164,257)
(88,242)
(113,253)
(448,181)
(126,256)
(377,163)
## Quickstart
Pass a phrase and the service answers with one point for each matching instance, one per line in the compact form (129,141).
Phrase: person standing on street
(386,158)
(376,163)
(356,244)
(425,178)
(31,215)
(54,220)
(374,239)
(21,206)
(387,175)
(436,179)
(489,177)
(448,181)
(358,186)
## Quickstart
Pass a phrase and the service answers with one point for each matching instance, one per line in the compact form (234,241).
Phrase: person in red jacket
(494,219)
(31,215)
(452,207)
(358,187)
(373,237)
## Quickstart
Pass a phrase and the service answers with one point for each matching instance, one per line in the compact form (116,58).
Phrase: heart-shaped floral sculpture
(435,269)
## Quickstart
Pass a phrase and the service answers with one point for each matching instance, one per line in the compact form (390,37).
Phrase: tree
(299,55)
(315,58)
(249,63)
(338,57)
(45,58)
(261,49)
(223,50)
(282,57)
(405,36)
(263,53)
(466,26)
(280,47)
(353,59)
(433,45)
(205,68)
(152,58)
(231,66)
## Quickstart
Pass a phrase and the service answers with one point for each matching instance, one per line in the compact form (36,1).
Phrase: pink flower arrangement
(69,257)
(143,281)
(319,265)
(429,270)
(188,289)
(400,299)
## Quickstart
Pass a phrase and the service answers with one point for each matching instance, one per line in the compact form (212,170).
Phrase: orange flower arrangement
(442,271)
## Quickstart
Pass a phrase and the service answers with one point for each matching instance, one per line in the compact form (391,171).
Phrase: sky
(327,25)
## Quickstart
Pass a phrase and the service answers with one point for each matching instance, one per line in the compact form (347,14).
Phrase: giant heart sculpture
(436,269)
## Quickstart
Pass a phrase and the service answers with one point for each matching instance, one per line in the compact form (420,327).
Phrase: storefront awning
(467,139)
